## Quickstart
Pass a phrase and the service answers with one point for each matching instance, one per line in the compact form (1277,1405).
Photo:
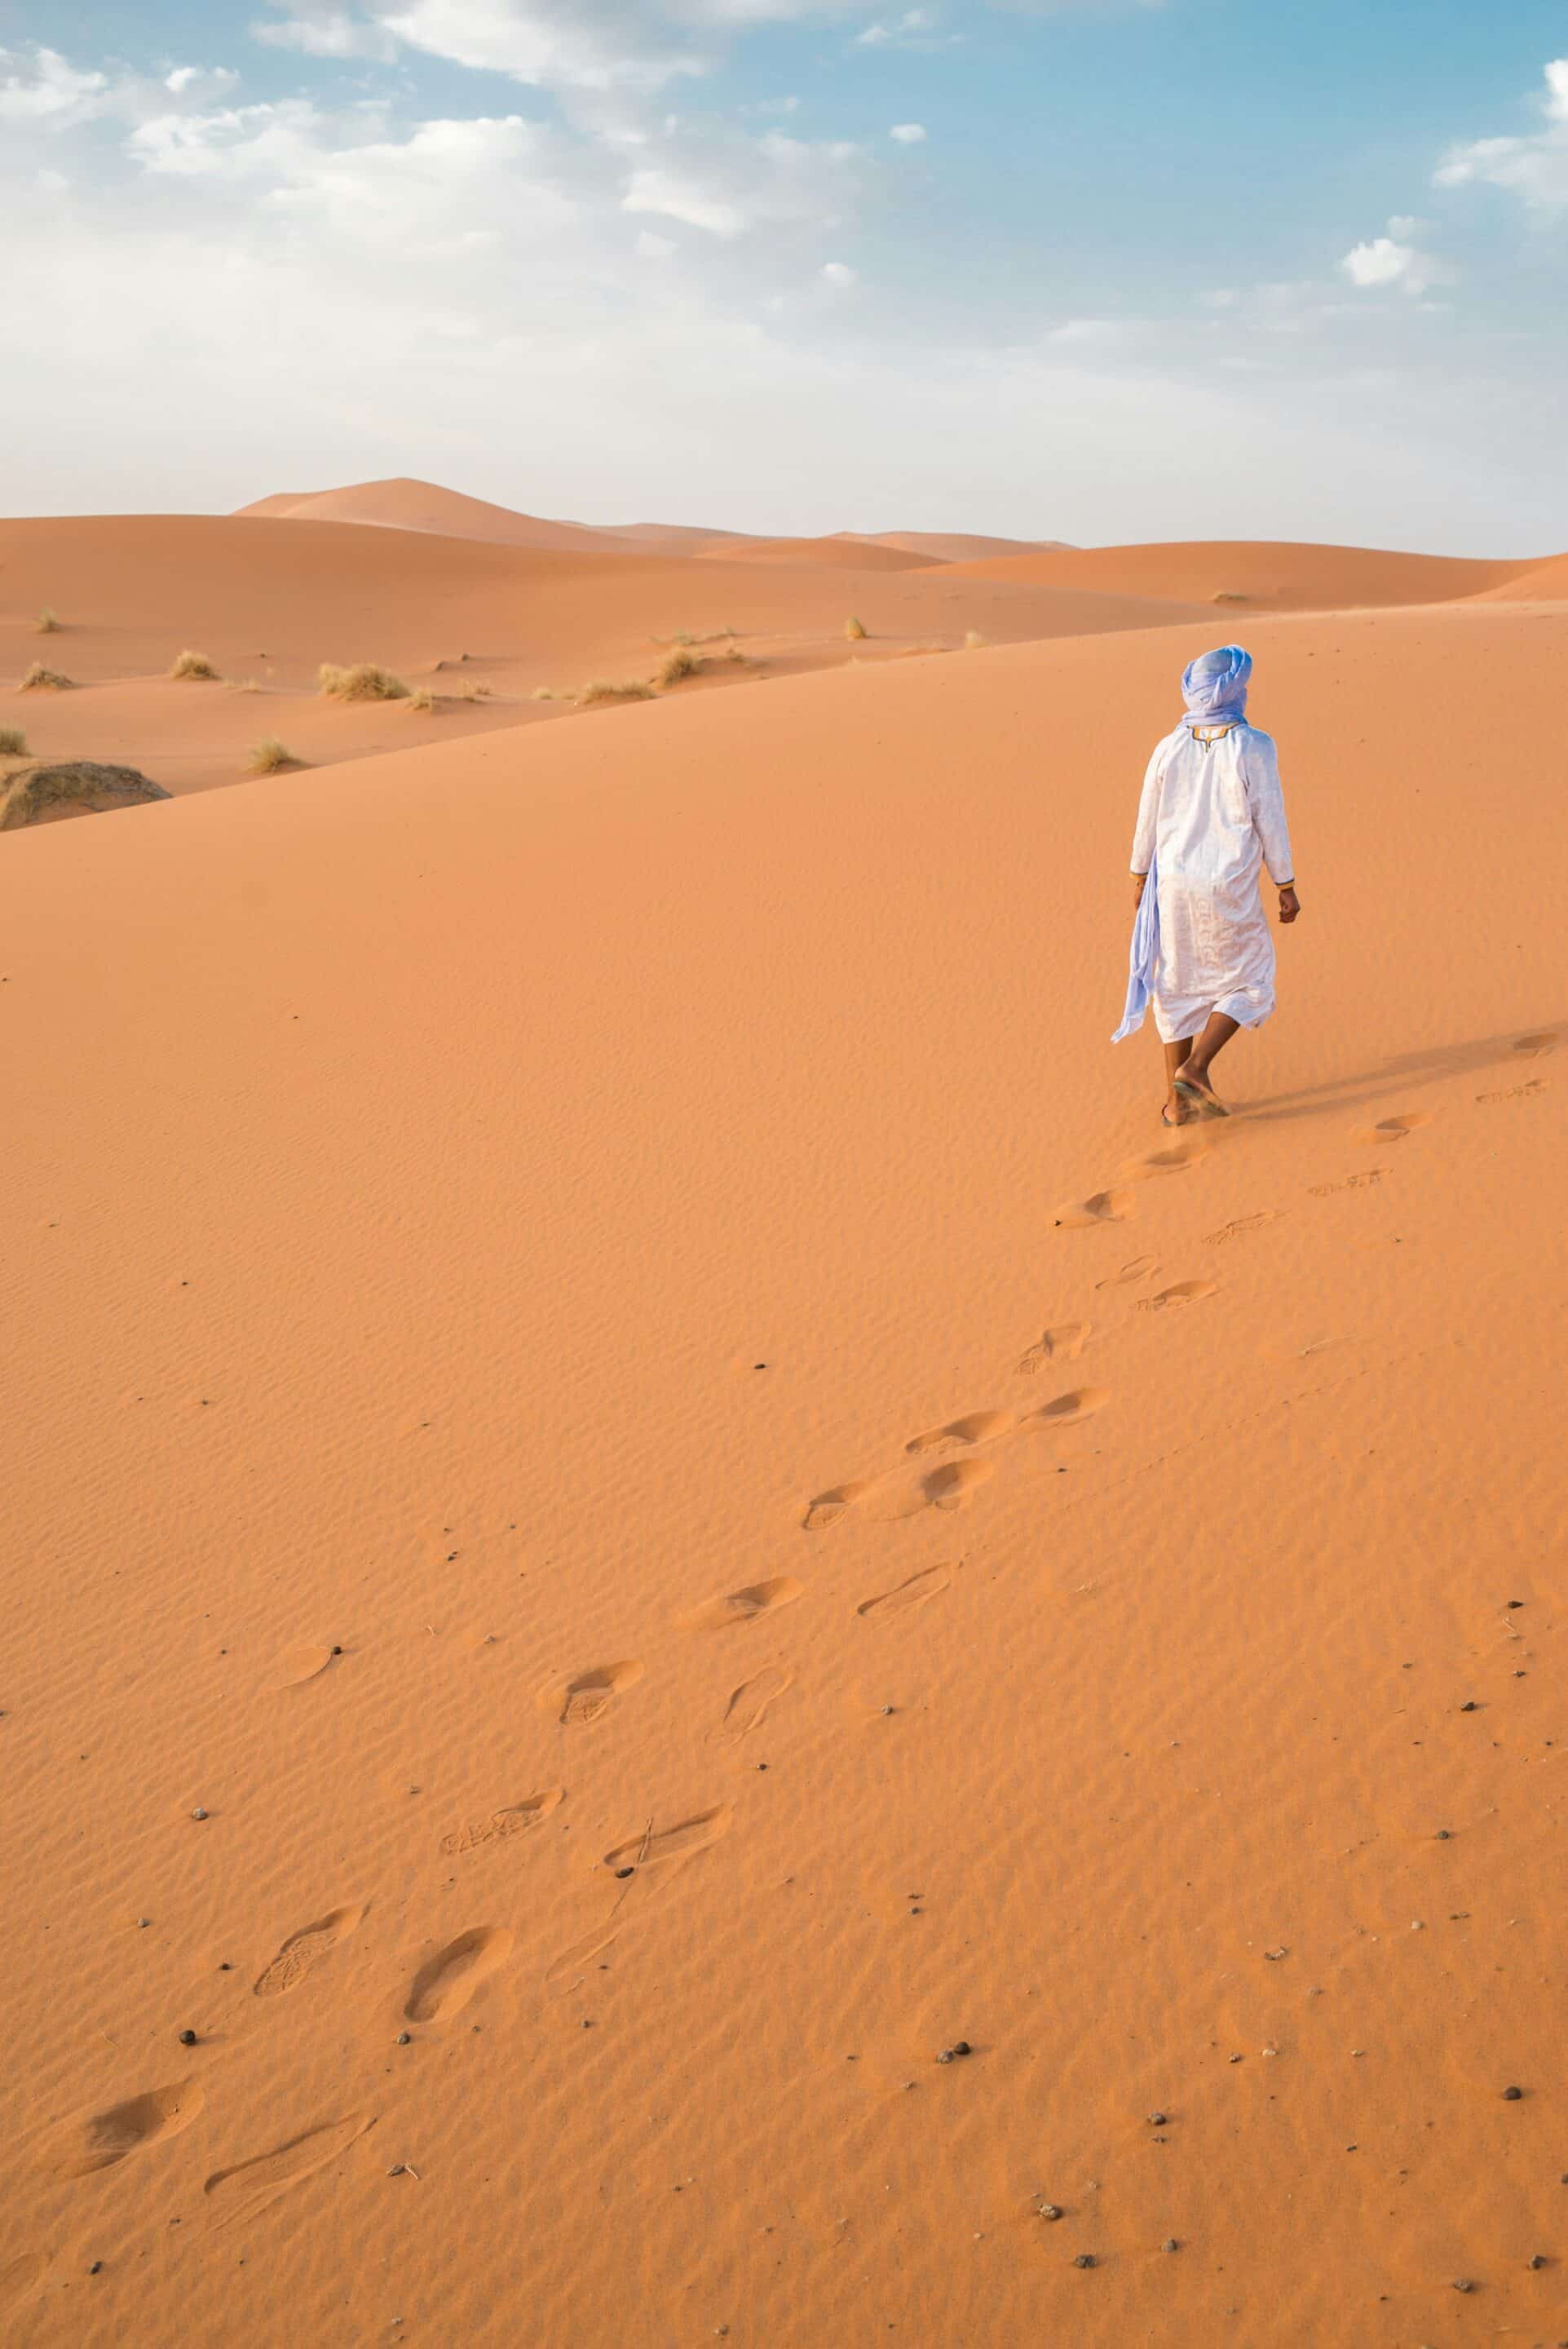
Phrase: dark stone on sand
(96,2268)
(1468,1705)
(198,1813)
(337,1652)
(1050,2210)
(1084,2259)
(1463,2283)
(1156,2120)
(1443,1836)
(1513,2096)
(625,1871)
(962,2048)
(402,2039)
(1170,2244)
(1539,2260)
(188,2039)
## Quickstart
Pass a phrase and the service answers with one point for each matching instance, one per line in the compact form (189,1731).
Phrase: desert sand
(643,1497)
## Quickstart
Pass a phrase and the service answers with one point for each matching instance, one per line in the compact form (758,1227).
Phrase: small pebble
(198,1813)
(402,2039)
(621,1873)
(886,1710)
(1443,1836)
(337,1652)
(1516,1602)
(1050,2210)
(1170,2244)
(1156,2120)
(1463,2283)
(762,1765)
(144,1922)
(1468,1705)
(1084,2259)
(962,2048)
(188,2039)
(397,2169)
(96,2268)
(1539,2260)
(1513,2096)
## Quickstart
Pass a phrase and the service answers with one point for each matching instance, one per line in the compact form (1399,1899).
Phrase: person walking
(1210,821)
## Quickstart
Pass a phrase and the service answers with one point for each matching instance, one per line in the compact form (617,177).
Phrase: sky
(1100,269)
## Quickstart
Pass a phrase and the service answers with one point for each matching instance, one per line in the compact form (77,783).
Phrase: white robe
(1209,819)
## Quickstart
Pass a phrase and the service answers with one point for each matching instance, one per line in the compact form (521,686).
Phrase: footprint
(1079,1402)
(516,1819)
(887,1499)
(18,2276)
(98,2141)
(1394,1128)
(1140,1268)
(1350,1183)
(1516,1093)
(303,1950)
(744,1605)
(1104,1207)
(445,1983)
(979,1427)
(1242,1227)
(587,1695)
(748,1707)
(920,1586)
(676,1844)
(1531,1047)
(1185,1292)
(250,2186)
(1063,1344)
(1173,1161)
(302,1664)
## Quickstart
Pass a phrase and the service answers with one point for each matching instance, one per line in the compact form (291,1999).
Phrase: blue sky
(1094,269)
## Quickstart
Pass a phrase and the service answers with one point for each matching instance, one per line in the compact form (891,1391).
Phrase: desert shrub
(12,743)
(855,630)
(596,696)
(192,664)
(46,625)
(675,667)
(470,690)
(366,681)
(421,701)
(243,685)
(40,679)
(973,641)
(1228,596)
(268,756)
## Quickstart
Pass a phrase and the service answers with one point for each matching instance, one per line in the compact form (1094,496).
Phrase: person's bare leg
(1176,1112)
(1216,1035)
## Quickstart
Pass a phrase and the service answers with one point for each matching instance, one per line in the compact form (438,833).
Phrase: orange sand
(599,1300)
(1257,575)
(403,504)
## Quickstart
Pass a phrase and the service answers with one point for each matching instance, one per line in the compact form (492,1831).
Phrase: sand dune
(601,1567)
(403,504)
(1259,576)
(952,546)
(1535,582)
(842,553)
(269,601)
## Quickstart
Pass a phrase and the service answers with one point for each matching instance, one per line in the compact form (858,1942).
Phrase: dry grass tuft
(421,701)
(46,625)
(12,743)
(470,690)
(40,679)
(1228,596)
(193,665)
(975,642)
(855,630)
(366,681)
(269,755)
(548,693)
(601,691)
(243,685)
(675,667)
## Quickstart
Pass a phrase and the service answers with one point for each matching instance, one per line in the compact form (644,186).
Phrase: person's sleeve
(1143,834)
(1261,770)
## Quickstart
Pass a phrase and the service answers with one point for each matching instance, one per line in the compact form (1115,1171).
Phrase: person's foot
(1191,1081)
(1175,1110)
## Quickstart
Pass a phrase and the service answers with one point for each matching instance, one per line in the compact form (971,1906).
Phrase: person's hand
(1140,883)
(1289,907)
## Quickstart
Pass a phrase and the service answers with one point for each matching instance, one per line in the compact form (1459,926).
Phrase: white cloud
(54,93)
(727,185)
(908,134)
(837,273)
(323,32)
(917,28)
(210,79)
(1389,260)
(1535,167)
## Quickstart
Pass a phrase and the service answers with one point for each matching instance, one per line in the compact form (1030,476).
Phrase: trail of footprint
(1516,1093)
(249,2186)
(18,2276)
(886,1500)
(927,1584)
(1350,1183)
(101,2139)
(1140,1268)
(1063,1344)
(671,1845)
(641,1866)
(302,1664)
(1111,1206)
(304,1948)
(445,1983)
(587,1696)
(569,1968)
(1173,1161)
(1531,1048)
(748,1705)
(747,1605)
(1185,1292)
(1394,1128)
(514,1819)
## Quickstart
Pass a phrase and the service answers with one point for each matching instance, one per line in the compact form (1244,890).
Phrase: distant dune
(1546,583)
(1262,575)
(821,553)
(404,504)
(951,546)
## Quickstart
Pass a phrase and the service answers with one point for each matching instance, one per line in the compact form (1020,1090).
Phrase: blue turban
(1214,687)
